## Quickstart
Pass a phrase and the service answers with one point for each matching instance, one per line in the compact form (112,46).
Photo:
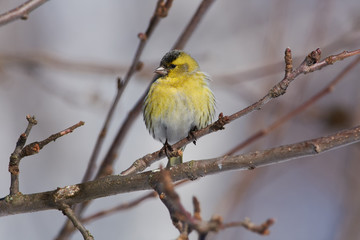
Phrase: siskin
(178,101)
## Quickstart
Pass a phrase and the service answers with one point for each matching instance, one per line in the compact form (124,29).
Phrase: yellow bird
(178,101)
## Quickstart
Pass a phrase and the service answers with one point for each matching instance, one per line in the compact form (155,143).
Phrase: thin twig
(77,223)
(328,89)
(194,22)
(124,206)
(15,157)
(20,12)
(46,60)
(116,184)
(118,208)
(262,229)
(35,147)
(310,64)
(30,149)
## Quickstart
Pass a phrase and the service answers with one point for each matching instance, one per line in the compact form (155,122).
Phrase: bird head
(177,62)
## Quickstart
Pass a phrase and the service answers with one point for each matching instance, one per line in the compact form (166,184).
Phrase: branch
(20,12)
(194,22)
(164,186)
(262,229)
(35,147)
(310,64)
(46,60)
(120,207)
(328,89)
(30,149)
(15,157)
(124,206)
(112,185)
(185,222)
(77,223)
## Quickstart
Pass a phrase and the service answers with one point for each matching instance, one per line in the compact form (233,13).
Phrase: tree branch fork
(116,184)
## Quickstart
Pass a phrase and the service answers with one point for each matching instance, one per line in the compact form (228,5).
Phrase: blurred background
(62,63)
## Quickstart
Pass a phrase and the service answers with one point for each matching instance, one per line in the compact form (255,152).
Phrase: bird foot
(191,135)
(170,151)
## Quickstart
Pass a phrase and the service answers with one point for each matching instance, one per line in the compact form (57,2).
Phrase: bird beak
(161,70)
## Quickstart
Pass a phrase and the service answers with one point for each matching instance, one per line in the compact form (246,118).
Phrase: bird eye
(172,66)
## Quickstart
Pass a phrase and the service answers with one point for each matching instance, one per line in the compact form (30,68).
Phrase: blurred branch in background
(21,12)
(52,62)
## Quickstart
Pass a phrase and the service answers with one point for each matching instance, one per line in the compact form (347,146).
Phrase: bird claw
(170,151)
(191,135)
(167,148)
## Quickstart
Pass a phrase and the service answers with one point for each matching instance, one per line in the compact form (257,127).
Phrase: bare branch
(262,229)
(125,206)
(77,223)
(15,157)
(328,89)
(194,22)
(163,185)
(46,60)
(35,147)
(20,12)
(185,222)
(30,149)
(111,185)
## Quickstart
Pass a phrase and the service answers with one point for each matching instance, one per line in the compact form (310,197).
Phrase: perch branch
(111,185)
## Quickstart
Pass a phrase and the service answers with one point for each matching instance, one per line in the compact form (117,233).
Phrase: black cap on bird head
(170,57)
